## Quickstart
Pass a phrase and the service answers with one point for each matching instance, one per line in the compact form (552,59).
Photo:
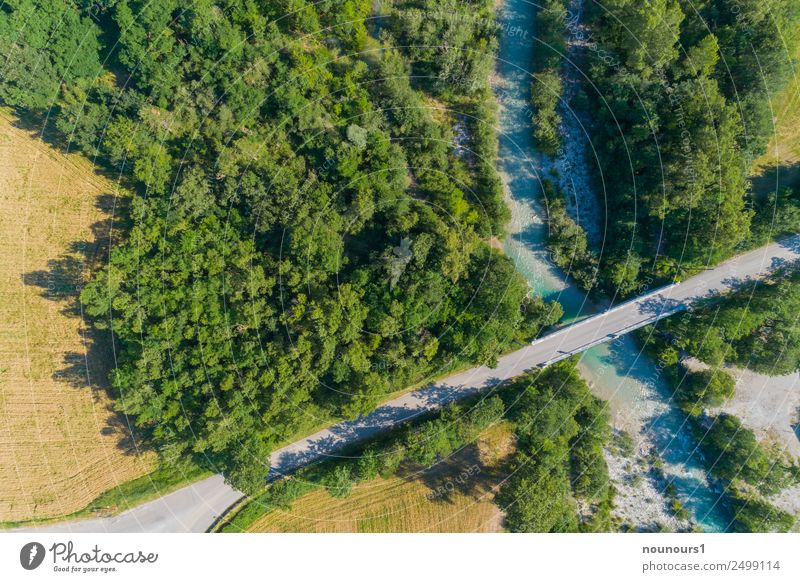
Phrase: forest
(309,225)
(562,430)
(676,99)
(303,237)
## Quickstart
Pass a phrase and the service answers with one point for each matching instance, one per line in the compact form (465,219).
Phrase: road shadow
(336,439)
(62,282)
(793,244)
(659,305)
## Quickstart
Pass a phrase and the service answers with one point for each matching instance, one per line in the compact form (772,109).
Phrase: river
(619,373)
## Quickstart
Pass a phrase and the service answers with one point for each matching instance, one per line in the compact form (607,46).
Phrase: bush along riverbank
(547,87)
(733,329)
(567,241)
(560,140)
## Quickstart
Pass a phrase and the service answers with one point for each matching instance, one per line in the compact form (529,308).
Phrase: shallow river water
(639,400)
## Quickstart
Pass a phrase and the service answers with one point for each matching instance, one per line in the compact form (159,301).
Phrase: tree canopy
(45,44)
(754,327)
(561,430)
(679,96)
(303,237)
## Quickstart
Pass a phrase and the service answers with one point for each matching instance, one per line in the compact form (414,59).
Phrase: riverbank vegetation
(680,101)
(450,44)
(734,454)
(450,47)
(749,472)
(547,85)
(567,241)
(753,327)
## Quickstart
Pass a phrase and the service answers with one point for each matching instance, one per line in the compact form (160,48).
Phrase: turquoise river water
(639,399)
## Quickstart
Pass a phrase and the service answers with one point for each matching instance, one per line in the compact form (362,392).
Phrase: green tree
(340,481)
(703,389)
(755,515)
(546,91)
(734,453)
(46,44)
(536,498)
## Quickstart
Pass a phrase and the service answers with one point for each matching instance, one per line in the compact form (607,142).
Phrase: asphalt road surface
(196,508)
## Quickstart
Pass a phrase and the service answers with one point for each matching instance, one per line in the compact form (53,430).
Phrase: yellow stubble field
(61,445)
(779,166)
(455,495)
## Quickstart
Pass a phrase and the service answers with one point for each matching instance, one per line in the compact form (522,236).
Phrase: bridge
(197,507)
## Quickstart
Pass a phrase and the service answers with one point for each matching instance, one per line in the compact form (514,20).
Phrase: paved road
(195,508)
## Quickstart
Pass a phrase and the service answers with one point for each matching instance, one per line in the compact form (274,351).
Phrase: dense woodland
(677,96)
(303,236)
(308,225)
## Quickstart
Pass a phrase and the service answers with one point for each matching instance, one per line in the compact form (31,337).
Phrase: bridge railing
(618,307)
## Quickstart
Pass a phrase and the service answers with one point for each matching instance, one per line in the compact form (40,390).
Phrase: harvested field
(60,444)
(784,148)
(779,167)
(383,505)
(455,495)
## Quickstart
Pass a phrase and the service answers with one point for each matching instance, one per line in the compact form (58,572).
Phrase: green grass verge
(160,482)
